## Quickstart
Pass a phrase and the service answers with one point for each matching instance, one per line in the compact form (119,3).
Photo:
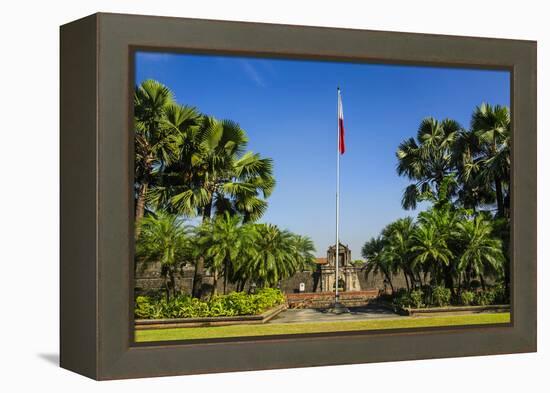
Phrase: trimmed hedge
(439,296)
(232,304)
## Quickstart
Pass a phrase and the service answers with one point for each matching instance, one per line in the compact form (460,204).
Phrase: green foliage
(412,299)
(163,238)
(467,298)
(142,307)
(484,298)
(446,243)
(501,295)
(274,255)
(441,296)
(417,298)
(402,299)
(427,160)
(494,295)
(221,176)
(235,303)
(461,172)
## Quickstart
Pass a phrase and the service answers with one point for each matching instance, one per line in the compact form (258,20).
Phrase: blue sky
(288,109)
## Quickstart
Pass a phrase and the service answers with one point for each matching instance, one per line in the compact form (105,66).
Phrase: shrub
(267,298)
(183,306)
(484,298)
(417,298)
(143,307)
(500,295)
(467,298)
(402,298)
(441,296)
(494,295)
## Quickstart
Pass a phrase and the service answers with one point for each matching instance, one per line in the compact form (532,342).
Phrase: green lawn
(317,327)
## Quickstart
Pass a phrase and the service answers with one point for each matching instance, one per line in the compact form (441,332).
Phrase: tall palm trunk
(388,277)
(199,265)
(449,282)
(498,183)
(172,283)
(140,205)
(215,283)
(167,288)
(499,197)
(225,275)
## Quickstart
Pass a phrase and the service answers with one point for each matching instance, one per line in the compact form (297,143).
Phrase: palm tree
(482,252)
(275,256)
(473,190)
(163,238)
(373,252)
(305,252)
(428,159)
(397,249)
(159,125)
(215,175)
(224,242)
(431,246)
(491,125)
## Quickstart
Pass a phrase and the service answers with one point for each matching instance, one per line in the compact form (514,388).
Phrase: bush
(441,296)
(235,303)
(143,307)
(500,295)
(402,299)
(484,298)
(417,298)
(467,298)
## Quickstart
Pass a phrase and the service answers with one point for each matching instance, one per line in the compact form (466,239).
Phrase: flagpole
(337,255)
(338,308)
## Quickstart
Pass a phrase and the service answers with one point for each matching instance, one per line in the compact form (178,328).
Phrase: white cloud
(252,73)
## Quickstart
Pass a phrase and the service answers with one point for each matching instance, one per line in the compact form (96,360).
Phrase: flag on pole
(341,143)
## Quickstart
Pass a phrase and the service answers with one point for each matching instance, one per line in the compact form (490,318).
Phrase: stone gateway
(348,274)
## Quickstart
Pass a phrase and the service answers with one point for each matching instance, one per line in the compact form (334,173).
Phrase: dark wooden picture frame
(97,204)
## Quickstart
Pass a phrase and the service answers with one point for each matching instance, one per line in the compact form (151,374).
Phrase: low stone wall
(448,310)
(326,299)
(456,310)
(144,324)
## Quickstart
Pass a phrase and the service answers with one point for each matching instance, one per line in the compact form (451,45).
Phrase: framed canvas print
(240,196)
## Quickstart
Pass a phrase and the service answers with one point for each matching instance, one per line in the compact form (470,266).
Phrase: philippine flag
(341,143)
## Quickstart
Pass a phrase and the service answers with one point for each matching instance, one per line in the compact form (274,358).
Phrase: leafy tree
(274,257)
(224,242)
(373,251)
(215,175)
(427,160)
(163,238)
(159,124)
(305,249)
(491,125)
(482,251)
(473,191)
(398,249)
(431,244)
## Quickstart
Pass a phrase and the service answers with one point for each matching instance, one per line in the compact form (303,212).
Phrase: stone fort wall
(148,279)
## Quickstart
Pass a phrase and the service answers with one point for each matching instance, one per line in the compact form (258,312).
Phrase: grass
(317,327)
